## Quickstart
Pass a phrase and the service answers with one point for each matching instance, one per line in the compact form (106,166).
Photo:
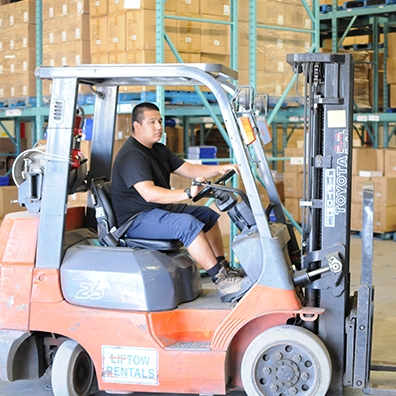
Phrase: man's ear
(136,126)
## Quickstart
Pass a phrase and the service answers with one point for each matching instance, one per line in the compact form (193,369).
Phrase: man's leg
(215,240)
(201,251)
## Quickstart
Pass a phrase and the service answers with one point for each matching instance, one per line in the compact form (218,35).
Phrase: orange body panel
(179,371)
(18,235)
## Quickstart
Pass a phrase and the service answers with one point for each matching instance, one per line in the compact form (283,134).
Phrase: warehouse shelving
(337,24)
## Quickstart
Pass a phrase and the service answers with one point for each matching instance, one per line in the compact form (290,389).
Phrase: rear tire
(73,373)
(284,361)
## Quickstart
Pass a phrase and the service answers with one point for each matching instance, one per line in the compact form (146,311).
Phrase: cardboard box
(297,17)
(363,159)
(77,199)
(293,184)
(357,188)
(8,194)
(140,30)
(24,37)
(123,127)
(98,8)
(384,190)
(215,58)
(77,28)
(98,35)
(392,94)
(391,45)
(384,218)
(219,8)
(293,207)
(390,162)
(296,163)
(391,71)
(116,32)
(175,139)
(215,38)
(188,37)
(22,12)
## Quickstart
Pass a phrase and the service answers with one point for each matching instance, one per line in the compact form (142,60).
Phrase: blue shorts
(179,221)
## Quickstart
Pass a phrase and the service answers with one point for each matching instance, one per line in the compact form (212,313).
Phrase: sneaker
(231,270)
(231,288)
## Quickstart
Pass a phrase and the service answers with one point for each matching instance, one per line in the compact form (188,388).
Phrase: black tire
(284,361)
(73,373)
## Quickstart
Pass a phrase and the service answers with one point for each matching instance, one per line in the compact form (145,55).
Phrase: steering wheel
(221,180)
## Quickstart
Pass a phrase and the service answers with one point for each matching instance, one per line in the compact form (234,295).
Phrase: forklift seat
(109,234)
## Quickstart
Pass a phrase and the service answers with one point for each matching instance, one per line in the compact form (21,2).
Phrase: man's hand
(228,167)
(196,189)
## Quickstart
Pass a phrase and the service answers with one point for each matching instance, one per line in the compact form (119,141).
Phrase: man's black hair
(138,112)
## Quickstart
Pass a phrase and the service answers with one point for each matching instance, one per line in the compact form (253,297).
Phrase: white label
(64,9)
(1,46)
(132,4)
(64,36)
(64,62)
(11,44)
(374,117)
(279,43)
(216,42)
(2,95)
(117,1)
(307,23)
(134,37)
(336,118)
(51,37)
(12,68)
(78,60)
(52,63)
(188,1)
(11,20)
(13,112)
(80,8)
(278,89)
(330,198)
(188,40)
(25,17)
(226,9)
(1,23)
(281,66)
(24,66)
(360,117)
(119,135)
(1,69)
(97,42)
(280,19)
(125,108)
(293,119)
(296,160)
(115,40)
(77,33)
(51,12)
(12,91)
(97,3)
(307,45)
(24,42)
(129,365)
(24,90)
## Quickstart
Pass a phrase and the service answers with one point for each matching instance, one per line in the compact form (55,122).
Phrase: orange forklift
(133,315)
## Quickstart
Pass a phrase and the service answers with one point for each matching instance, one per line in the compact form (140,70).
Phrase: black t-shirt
(136,163)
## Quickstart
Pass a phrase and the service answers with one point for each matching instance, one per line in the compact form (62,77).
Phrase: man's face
(150,131)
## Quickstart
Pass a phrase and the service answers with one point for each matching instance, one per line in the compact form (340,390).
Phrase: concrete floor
(384,279)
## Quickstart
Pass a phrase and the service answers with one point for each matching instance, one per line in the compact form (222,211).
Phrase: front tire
(286,361)
(73,373)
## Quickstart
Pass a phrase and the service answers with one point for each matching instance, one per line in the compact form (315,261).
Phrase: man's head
(146,123)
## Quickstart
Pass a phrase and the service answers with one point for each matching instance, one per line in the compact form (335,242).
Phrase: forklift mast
(326,198)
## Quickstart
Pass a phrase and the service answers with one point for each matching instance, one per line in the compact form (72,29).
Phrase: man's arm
(193,171)
(153,193)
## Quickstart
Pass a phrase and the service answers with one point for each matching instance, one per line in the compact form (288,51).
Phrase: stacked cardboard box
(273,73)
(65,35)
(378,166)
(293,181)
(17,49)
(122,32)
(391,70)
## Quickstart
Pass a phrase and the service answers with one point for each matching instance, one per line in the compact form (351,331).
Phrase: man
(140,184)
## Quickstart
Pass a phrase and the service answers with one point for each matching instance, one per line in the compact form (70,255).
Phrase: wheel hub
(284,370)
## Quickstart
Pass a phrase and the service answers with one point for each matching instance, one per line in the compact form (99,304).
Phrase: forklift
(132,315)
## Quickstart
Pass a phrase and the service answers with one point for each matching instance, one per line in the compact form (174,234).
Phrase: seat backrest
(103,191)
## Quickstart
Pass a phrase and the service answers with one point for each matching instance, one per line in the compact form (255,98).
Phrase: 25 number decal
(89,291)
